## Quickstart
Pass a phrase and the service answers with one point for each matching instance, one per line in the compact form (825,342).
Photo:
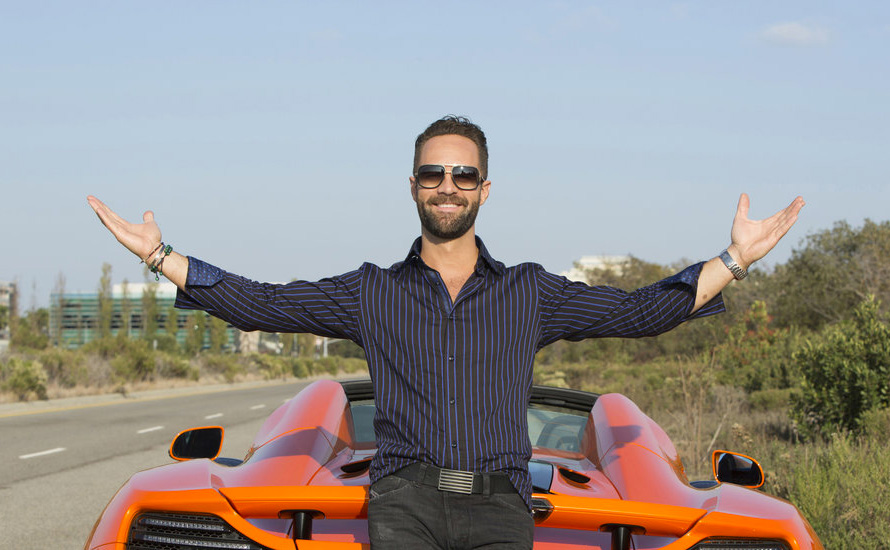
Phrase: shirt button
(453,445)
(451,358)
(452,401)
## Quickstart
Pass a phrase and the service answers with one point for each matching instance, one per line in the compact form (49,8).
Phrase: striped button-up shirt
(451,379)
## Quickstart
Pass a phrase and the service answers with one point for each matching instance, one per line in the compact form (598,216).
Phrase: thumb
(148,217)
(744,204)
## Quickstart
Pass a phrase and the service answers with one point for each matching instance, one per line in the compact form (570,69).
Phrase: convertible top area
(576,400)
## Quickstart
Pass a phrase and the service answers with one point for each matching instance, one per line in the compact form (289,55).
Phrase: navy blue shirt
(451,380)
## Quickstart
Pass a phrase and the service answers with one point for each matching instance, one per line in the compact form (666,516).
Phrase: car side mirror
(737,469)
(203,442)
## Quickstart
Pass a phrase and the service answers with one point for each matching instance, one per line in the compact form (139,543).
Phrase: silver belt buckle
(456,481)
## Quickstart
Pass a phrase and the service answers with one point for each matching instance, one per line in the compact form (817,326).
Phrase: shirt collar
(485,258)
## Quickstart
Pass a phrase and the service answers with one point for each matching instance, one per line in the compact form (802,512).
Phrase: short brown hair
(458,126)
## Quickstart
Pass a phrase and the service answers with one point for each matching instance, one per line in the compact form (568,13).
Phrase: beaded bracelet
(158,262)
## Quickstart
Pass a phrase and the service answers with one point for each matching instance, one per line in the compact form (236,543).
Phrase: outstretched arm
(141,239)
(751,240)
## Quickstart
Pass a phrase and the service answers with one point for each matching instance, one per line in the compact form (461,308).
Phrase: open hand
(140,239)
(753,239)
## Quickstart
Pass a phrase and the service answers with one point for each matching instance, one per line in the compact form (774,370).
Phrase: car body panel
(621,469)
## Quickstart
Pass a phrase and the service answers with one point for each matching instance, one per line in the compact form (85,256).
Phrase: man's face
(448,212)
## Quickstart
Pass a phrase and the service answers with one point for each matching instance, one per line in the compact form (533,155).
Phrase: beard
(447,226)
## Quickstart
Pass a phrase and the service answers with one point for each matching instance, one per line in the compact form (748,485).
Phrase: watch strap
(732,266)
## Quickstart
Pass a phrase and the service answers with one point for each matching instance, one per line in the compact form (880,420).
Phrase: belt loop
(486,485)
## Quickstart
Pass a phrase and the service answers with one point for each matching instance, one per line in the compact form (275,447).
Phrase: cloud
(795,34)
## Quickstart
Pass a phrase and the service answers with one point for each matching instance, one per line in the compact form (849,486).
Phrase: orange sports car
(605,477)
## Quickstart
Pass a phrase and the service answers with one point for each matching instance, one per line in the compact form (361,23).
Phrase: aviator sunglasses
(465,178)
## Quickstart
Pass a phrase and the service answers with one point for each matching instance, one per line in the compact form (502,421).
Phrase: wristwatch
(731,265)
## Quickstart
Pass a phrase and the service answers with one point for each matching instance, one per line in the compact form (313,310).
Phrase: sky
(275,139)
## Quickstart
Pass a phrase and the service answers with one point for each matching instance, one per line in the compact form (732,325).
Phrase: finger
(783,220)
(113,215)
(100,209)
(744,205)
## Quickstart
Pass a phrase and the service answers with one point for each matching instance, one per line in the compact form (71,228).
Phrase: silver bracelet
(731,265)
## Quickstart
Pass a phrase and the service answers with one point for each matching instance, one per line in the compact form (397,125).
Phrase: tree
(30,330)
(846,372)
(837,269)
(150,311)
(126,310)
(197,327)
(218,335)
(58,309)
(756,356)
(106,303)
(171,321)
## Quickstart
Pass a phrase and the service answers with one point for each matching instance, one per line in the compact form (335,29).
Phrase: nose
(447,187)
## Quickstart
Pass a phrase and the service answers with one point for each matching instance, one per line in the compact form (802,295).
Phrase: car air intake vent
(157,531)
(738,544)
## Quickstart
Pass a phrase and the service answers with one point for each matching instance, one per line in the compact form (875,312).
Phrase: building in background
(74,318)
(8,306)
(586,263)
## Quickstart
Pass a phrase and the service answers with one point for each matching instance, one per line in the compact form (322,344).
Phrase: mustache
(459,201)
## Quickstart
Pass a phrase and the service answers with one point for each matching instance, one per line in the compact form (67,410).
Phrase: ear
(486,188)
(413,183)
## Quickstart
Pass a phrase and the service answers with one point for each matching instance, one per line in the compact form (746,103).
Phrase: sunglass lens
(465,177)
(430,175)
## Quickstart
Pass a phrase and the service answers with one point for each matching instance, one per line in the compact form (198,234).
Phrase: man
(450,336)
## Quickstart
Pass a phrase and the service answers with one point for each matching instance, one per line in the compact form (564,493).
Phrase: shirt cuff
(200,275)
(203,274)
(689,277)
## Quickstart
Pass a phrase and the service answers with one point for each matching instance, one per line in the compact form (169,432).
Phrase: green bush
(846,373)
(108,347)
(24,378)
(330,365)
(271,366)
(67,368)
(165,342)
(226,365)
(173,366)
(135,363)
(301,368)
(876,424)
(772,399)
(756,356)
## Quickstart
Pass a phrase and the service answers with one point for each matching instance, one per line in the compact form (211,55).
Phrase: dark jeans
(404,515)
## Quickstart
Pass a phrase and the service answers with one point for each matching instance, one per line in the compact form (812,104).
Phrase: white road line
(255,407)
(212,416)
(42,453)
(152,429)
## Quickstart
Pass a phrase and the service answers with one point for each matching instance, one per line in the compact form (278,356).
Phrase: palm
(755,238)
(140,239)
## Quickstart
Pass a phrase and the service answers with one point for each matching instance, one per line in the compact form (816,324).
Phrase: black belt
(457,481)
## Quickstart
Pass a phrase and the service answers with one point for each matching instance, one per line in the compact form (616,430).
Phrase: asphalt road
(62,462)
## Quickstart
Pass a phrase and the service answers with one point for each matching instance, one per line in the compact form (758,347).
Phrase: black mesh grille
(161,531)
(740,544)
